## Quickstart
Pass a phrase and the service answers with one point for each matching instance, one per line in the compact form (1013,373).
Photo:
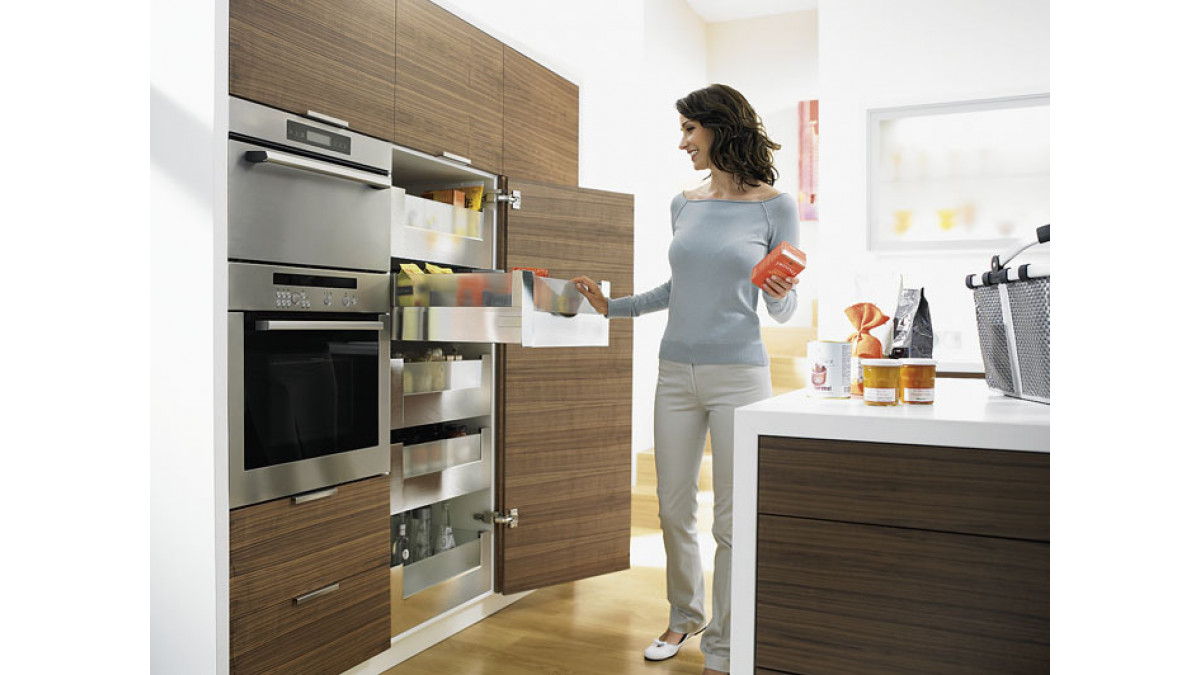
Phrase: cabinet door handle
(299,600)
(457,158)
(328,119)
(314,496)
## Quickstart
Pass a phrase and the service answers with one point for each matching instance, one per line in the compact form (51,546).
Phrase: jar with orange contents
(881,381)
(917,378)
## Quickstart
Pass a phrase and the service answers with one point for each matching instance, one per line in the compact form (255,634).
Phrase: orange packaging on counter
(786,261)
(537,271)
(863,316)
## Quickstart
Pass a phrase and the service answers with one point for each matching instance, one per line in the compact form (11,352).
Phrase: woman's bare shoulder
(764,192)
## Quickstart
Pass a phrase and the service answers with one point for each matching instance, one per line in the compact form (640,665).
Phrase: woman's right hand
(591,290)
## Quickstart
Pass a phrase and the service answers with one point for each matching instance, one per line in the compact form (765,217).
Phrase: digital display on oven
(319,138)
(313,280)
(304,133)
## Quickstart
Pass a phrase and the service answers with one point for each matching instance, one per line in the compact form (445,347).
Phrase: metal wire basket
(1012,311)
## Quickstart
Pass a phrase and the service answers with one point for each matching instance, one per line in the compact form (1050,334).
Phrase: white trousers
(690,401)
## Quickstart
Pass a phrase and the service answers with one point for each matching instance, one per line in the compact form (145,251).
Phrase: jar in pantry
(881,381)
(917,378)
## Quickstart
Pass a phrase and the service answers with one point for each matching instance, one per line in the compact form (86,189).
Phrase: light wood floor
(596,626)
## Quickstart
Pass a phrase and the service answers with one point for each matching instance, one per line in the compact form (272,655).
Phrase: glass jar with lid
(881,381)
(917,378)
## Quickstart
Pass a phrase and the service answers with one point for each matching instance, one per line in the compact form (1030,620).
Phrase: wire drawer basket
(1012,311)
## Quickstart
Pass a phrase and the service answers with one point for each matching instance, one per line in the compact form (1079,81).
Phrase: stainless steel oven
(306,191)
(309,379)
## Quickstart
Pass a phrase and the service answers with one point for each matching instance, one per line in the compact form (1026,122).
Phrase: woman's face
(696,142)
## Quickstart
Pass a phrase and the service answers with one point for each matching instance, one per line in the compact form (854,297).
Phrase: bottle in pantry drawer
(421,544)
(400,547)
(446,541)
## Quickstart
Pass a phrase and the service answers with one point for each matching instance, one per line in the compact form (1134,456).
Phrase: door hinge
(497,197)
(498,518)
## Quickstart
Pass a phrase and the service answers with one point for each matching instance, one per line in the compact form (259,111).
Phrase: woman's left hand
(777,287)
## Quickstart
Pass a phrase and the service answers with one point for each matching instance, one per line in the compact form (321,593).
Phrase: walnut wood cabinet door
(449,76)
(317,55)
(541,122)
(564,415)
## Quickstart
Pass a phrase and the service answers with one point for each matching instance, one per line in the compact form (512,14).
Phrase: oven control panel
(254,287)
(298,298)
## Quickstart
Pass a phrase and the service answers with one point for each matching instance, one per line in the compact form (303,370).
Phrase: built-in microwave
(309,379)
(305,191)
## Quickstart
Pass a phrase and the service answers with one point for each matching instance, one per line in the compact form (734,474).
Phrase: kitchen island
(906,539)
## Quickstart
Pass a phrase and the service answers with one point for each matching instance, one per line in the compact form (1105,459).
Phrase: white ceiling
(713,11)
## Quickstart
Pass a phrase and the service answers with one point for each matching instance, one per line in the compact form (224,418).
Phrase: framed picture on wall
(964,175)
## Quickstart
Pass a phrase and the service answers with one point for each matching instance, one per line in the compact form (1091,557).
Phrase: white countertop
(965,414)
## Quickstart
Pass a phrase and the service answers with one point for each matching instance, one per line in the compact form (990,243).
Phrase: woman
(712,359)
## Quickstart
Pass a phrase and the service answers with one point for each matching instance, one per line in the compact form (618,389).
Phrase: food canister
(917,378)
(881,381)
(829,369)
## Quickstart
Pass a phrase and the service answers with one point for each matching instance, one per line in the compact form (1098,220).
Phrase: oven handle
(314,166)
(276,324)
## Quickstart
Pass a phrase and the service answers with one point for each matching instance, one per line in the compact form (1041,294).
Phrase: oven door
(309,403)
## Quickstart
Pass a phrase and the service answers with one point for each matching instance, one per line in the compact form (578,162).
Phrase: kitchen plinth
(906,539)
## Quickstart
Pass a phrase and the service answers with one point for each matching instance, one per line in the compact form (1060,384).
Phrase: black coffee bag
(912,329)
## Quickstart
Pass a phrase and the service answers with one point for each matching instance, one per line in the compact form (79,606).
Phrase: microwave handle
(275,324)
(314,166)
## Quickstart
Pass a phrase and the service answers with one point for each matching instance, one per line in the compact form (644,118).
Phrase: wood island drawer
(284,548)
(325,634)
(844,598)
(987,492)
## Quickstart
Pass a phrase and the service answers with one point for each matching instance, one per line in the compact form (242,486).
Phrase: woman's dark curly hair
(740,144)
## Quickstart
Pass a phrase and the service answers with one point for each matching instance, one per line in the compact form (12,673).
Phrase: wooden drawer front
(327,634)
(989,492)
(847,598)
(280,550)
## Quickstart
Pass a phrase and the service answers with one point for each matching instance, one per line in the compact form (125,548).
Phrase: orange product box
(537,271)
(785,261)
(452,197)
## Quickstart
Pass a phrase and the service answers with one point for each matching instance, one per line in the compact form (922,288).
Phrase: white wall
(881,53)
(675,54)
(188,496)
(773,62)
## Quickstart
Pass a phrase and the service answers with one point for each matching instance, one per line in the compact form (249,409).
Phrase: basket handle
(999,261)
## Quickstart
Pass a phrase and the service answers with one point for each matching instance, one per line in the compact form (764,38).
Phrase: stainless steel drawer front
(282,214)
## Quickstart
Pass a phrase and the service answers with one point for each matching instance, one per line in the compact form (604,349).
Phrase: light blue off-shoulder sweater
(711,305)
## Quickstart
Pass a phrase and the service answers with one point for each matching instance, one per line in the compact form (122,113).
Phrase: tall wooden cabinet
(413,73)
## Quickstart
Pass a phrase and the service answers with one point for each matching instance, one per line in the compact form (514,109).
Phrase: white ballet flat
(661,651)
